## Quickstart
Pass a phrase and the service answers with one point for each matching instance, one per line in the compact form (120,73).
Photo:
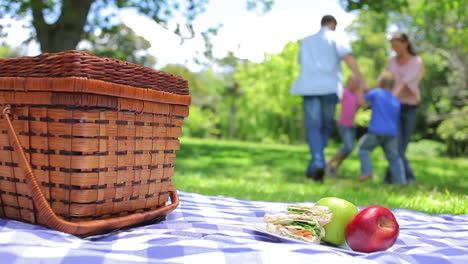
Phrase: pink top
(349,106)
(409,73)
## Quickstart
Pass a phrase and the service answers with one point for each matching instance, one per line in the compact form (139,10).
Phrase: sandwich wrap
(305,226)
(316,210)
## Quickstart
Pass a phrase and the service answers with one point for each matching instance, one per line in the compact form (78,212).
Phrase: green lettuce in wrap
(300,222)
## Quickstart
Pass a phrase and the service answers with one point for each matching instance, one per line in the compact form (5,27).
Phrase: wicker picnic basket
(87,144)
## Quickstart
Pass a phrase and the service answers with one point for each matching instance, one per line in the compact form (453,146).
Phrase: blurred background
(240,56)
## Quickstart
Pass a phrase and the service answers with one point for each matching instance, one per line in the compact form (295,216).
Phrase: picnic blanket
(216,229)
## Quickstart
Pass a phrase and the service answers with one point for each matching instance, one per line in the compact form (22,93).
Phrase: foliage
(9,52)
(428,148)
(68,12)
(269,111)
(232,91)
(72,19)
(447,15)
(437,27)
(207,108)
(377,6)
(121,42)
(202,123)
(363,116)
(266,112)
(454,131)
(197,90)
(251,101)
(444,86)
(370,45)
(440,28)
(259,171)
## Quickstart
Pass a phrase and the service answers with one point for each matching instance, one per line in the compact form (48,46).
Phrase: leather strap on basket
(77,228)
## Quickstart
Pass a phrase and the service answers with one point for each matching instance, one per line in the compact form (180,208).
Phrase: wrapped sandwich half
(316,210)
(306,225)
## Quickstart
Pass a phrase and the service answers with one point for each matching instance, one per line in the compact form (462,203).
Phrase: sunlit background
(249,34)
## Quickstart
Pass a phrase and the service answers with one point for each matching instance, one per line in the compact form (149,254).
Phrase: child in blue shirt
(382,130)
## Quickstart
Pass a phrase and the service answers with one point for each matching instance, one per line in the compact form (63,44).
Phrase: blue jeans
(348,135)
(407,124)
(390,147)
(319,114)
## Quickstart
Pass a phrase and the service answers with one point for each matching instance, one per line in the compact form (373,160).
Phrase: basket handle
(77,228)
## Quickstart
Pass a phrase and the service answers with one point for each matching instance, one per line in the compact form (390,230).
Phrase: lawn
(256,171)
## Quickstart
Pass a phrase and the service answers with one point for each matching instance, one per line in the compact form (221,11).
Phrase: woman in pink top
(349,105)
(408,69)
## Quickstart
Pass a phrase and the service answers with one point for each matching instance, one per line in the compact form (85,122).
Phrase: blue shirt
(385,112)
(320,58)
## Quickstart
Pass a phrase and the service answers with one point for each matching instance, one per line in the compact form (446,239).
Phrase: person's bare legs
(365,177)
(347,135)
(337,159)
(367,145)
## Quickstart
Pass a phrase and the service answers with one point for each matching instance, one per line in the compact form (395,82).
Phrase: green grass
(256,171)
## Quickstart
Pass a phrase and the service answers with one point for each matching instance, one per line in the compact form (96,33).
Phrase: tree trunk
(232,118)
(67,31)
(232,109)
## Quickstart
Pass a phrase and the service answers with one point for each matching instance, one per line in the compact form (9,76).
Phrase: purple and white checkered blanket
(214,229)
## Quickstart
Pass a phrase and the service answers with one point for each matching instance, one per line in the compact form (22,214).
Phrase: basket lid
(75,63)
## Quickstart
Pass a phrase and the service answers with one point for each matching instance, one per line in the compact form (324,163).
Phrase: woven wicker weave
(88,144)
(83,64)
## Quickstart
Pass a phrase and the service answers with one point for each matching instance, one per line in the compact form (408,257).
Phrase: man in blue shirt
(382,130)
(320,83)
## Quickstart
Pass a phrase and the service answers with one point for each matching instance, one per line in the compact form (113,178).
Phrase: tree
(267,111)
(442,27)
(454,131)
(232,89)
(121,42)
(75,18)
(438,29)
(197,90)
(377,6)
(370,44)
(205,113)
(8,52)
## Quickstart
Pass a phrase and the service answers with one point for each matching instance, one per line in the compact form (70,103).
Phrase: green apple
(343,211)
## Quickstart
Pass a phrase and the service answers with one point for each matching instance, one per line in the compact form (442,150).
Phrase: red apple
(372,229)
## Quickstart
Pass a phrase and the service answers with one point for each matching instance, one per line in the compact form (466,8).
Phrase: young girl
(352,99)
